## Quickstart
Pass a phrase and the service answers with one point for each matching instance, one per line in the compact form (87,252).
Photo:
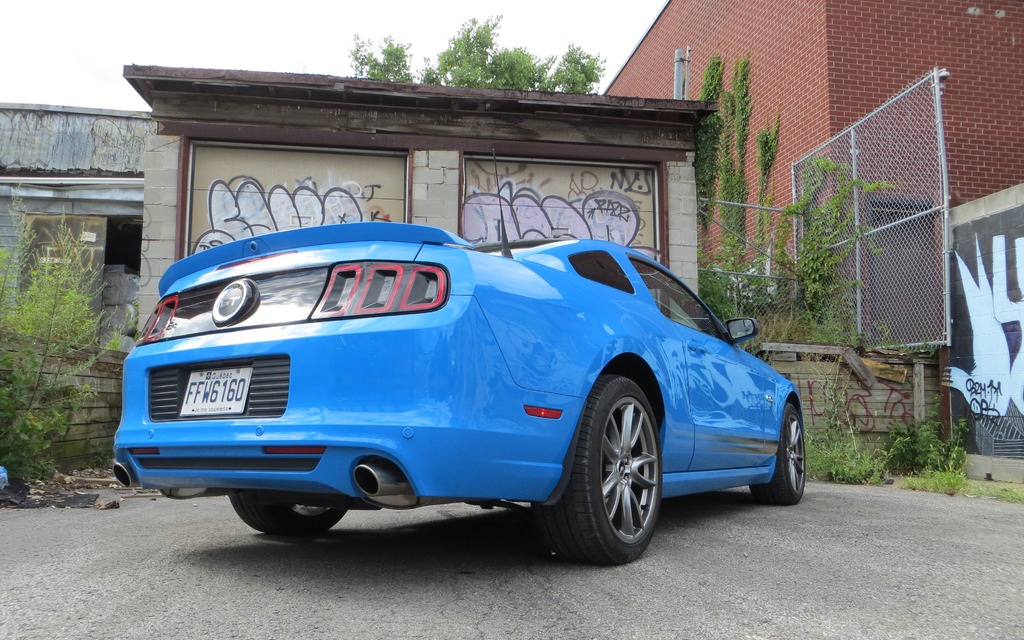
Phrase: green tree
(577,71)
(474,59)
(392,64)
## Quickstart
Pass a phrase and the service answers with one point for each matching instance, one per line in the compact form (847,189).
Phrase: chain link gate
(737,260)
(894,274)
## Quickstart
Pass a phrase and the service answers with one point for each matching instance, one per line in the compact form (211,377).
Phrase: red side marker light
(542,412)
(144,451)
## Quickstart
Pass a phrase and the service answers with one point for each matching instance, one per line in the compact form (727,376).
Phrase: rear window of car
(601,267)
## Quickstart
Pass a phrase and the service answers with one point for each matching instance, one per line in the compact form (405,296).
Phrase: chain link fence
(888,171)
(738,260)
(876,199)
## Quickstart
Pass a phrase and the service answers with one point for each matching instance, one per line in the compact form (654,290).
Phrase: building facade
(828,69)
(821,65)
(237,154)
(82,167)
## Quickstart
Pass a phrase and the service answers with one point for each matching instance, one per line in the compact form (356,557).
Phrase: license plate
(216,392)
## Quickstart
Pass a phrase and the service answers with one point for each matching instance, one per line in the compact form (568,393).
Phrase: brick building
(824,64)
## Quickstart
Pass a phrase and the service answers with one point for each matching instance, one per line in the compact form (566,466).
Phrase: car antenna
(506,249)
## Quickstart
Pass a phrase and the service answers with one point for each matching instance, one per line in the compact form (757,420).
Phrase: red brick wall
(877,47)
(824,64)
(785,40)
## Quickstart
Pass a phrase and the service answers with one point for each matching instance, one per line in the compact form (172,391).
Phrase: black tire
(284,519)
(608,512)
(787,484)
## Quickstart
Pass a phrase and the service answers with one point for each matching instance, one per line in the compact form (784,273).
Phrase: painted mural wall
(241,192)
(986,365)
(546,200)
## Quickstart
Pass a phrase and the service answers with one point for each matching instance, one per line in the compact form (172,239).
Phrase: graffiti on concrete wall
(538,200)
(986,366)
(241,193)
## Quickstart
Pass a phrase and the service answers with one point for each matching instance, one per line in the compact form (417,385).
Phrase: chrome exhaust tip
(377,477)
(124,475)
(384,484)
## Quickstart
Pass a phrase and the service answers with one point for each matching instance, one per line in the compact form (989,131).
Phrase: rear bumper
(430,392)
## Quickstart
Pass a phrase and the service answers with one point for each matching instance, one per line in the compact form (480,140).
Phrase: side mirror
(742,329)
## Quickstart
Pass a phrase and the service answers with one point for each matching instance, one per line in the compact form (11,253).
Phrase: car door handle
(697,350)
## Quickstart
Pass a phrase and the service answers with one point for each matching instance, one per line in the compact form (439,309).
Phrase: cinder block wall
(159,217)
(435,189)
(682,220)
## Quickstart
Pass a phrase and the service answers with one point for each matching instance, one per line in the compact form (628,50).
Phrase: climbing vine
(721,175)
(767,141)
(735,108)
(709,131)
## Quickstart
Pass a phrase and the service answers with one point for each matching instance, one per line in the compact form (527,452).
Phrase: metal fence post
(938,75)
(858,274)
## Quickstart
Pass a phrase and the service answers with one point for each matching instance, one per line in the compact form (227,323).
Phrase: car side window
(600,266)
(674,300)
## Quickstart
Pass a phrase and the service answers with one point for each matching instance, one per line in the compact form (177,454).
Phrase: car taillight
(372,288)
(158,321)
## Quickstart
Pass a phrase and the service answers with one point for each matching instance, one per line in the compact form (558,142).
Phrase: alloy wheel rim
(630,470)
(795,455)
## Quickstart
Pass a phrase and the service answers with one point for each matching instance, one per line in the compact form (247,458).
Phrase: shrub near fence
(89,439)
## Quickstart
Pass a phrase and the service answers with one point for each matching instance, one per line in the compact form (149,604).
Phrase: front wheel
(284,519)
(607,513)
(787,484)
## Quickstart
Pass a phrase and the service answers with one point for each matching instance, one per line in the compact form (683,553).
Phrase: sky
(72,53)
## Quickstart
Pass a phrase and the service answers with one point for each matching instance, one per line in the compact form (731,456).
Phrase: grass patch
(1004,491)
(956,484)
(950,483)
(837,456)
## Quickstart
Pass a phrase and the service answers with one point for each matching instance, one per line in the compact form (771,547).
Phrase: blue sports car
(379,365)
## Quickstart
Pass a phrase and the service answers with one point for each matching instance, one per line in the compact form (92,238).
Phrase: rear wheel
(284,519)
(787,484)
(608,512)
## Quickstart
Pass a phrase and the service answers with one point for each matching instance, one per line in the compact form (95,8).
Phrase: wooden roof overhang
(305,109)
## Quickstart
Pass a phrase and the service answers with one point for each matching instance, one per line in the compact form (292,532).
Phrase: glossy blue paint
(441,393)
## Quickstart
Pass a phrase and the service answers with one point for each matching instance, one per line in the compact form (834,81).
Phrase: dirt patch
(83,489)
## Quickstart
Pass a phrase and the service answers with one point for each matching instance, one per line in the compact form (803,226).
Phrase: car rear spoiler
(307,237)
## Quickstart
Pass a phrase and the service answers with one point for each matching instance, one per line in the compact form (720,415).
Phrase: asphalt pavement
(848,562)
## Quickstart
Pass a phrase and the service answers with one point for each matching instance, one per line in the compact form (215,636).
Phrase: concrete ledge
(992,468)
